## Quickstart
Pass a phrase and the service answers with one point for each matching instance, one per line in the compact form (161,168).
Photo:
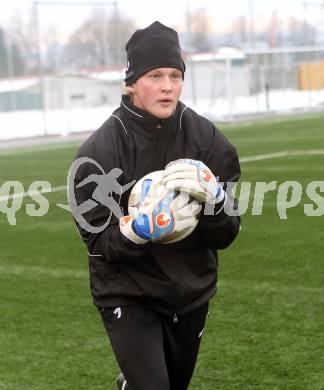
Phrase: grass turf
(265,329)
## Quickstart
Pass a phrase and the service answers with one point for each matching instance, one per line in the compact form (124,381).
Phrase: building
(60,92)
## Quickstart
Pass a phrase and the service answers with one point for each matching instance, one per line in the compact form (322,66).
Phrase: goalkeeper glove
(128,228)
(195,178)
(158,218)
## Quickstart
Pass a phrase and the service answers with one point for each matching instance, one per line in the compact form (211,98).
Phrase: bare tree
(240,29)
(11,61)
(301,33)
(54,51)
(99,41)
(200,29)
(23,33)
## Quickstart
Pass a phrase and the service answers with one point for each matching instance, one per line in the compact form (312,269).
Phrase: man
(153,298)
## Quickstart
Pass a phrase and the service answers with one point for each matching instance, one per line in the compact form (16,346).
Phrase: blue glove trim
(145,188)
(163,220)
(141,226)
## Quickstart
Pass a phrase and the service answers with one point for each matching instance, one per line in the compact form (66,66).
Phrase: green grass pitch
(266,325)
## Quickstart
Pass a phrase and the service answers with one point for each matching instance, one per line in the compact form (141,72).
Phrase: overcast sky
(170,12)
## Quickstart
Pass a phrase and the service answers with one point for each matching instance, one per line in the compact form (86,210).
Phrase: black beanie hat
(156,46)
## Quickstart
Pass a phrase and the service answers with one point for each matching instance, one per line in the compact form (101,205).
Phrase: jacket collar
(148,123)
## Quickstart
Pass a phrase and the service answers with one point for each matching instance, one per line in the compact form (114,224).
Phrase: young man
(153,298)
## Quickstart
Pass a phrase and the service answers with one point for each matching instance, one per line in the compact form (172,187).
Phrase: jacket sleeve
(98,227)
(219,225)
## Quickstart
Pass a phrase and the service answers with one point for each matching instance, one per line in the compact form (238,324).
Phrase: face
(157,91)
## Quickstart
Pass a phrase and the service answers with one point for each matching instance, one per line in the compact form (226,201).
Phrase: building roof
(17,84)
(221,54)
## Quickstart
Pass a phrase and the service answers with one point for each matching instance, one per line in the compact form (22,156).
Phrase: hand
(128,228)
(195,178)
(158,218)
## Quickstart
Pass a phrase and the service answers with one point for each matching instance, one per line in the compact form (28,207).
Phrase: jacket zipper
(175,317)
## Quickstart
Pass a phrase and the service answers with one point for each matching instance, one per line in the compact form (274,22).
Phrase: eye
(155,76)
(176,76)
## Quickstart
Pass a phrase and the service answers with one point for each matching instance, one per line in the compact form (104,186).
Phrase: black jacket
(173,278)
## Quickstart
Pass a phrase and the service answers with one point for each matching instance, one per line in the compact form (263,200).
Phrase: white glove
(126,226)
(195,178)
(160,217)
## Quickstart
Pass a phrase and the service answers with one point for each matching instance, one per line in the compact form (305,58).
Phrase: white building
(60,92)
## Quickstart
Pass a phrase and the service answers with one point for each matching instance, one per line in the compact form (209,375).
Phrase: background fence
(223,86)
(257,81)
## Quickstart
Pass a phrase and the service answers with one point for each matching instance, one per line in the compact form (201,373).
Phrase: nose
(166,86)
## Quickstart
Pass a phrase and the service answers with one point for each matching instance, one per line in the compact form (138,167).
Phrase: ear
(131,88)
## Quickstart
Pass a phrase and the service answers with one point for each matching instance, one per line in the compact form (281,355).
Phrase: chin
(164,114)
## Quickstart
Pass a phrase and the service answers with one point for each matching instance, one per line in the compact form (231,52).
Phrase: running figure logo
(107,185)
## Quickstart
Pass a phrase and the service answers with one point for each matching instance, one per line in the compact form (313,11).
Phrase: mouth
(165,102)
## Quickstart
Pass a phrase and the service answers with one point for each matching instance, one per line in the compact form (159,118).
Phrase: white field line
(258,157)
(285,153)
(39,271)
(270,287)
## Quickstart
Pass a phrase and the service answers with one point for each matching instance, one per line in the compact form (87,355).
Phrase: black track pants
(153,351)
